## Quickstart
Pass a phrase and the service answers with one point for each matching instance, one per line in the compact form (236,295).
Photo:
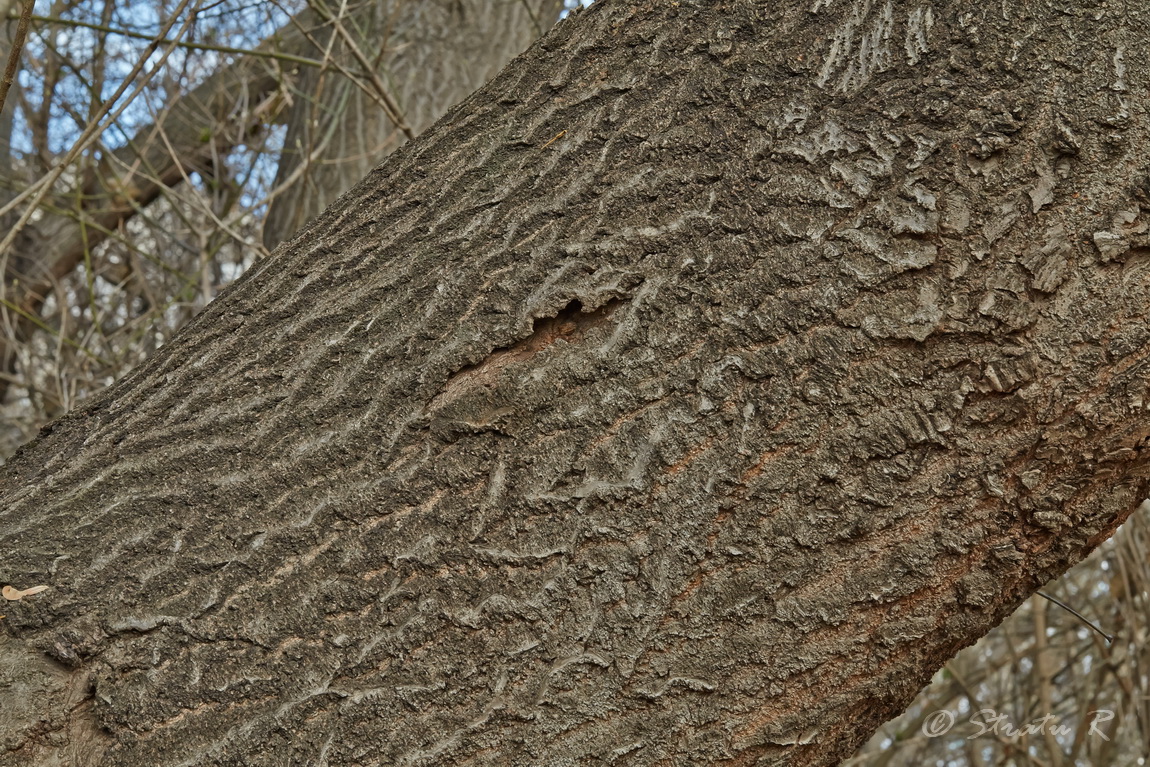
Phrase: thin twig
(390,106)
(257,53)
(17,49)
(1109,638)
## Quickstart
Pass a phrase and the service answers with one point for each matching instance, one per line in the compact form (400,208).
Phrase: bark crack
(570,324)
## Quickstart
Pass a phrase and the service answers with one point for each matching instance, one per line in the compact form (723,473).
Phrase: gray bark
(687,396)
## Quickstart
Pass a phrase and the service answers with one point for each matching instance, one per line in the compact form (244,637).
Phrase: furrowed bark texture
(687,396)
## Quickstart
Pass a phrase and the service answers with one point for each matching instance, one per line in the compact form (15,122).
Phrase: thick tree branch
(688,395)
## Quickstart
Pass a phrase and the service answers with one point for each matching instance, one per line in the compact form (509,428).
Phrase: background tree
(338,130)
(811,454)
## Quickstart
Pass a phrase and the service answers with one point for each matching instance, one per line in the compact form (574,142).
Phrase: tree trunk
(687,396)
(430,54)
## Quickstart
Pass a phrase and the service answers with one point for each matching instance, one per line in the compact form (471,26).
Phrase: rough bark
(687,396)
(431,54)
